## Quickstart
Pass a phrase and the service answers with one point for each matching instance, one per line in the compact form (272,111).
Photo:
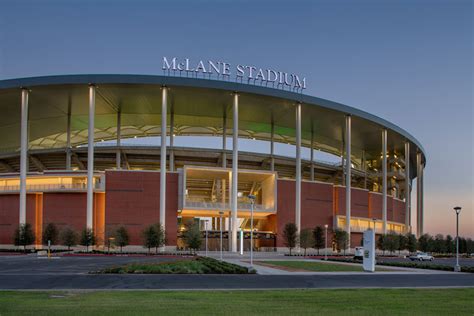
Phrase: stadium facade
(54,168)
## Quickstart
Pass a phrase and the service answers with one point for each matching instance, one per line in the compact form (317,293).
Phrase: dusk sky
(410,62)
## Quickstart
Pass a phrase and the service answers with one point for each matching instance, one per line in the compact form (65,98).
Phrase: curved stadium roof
(198,106)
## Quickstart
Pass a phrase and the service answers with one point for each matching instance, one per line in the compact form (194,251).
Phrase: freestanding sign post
(369,251)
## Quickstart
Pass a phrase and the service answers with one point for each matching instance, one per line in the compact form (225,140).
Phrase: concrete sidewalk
(265,270)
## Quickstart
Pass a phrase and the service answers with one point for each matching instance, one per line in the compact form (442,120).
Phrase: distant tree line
(438,244)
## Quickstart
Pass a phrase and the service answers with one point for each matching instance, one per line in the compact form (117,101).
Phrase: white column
(90,158)
(312,155)
(68,137)
(23,154)
(348,169)
(407,187)
(298,169)
(272,147)
(384,180)
(164,105)
(364,168)
(118,157)
(172,140)
(235,161)
(419,195)
(224,141)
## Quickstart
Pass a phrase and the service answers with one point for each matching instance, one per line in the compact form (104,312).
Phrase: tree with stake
(160,234)
(402,242)
(51,234)
(341,239)
(192,236)
(290,235)
(425,243)
(68,238)
(449,244)
(382,243)
(150,237)
(24,236)
(319,239)
(121,237)
(411,243)
(306,239)
(87,238)
(392,242)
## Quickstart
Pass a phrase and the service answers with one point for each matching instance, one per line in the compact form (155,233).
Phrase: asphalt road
(28,272)
(469,262)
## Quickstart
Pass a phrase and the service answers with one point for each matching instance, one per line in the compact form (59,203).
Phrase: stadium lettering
(242,72)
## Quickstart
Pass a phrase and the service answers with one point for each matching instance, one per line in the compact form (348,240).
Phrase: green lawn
(315,266)
(281,302)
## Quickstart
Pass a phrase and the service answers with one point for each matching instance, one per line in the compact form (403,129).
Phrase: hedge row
(430,266)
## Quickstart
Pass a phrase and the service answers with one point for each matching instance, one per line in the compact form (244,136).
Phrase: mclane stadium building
(54,167)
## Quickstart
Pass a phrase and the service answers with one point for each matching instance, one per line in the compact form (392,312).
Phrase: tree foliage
(121,236)
(319,238)
(412,243)
(50,233)
(306,239)
(24,236)
(425,243)
(290,235)
(341,239)
(87,238)
(192,236)
(68,238)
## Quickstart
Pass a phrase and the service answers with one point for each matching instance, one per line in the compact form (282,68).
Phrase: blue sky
(410,62)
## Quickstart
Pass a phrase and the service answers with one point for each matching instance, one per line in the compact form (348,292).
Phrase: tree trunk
(318,251)
(304,252)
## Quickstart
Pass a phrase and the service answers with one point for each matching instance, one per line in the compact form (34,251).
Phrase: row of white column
(235,157)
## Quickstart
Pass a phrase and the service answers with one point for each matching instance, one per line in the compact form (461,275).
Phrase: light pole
(252,202)
(220,226)
(205,223)
(457,268)
(326,242)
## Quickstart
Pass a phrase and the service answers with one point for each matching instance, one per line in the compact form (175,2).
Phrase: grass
(314,266)
(198,265)
(281,302)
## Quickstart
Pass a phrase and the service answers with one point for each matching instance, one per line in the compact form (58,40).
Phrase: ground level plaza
(49,175)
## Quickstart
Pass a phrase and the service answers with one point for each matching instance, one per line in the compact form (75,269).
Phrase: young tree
(392,242)
(469,246)
(439,244)
(51,234)
(121,237)
(87,238)
(290,235)
(160,234)
(411,243)
(150,237)
(68,238)
(462,245)
(24,236)
(306,239)
(192,236)
(382,243)
(402,242)
(449,244)
(319,238)
(425,243)
(341,239)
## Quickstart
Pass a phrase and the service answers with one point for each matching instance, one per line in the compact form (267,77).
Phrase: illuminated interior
(49,182)
(359,224)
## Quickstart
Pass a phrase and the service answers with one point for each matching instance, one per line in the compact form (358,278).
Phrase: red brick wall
(285,207)
(65,210)
(398,211)
(375,202)
(316,206)
(132,200)
(360,203)
(356,239)
(9,215)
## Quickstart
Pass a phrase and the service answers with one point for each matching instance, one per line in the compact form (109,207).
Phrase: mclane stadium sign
(225,71)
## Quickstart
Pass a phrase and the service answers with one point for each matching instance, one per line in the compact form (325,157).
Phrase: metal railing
(224,206)
(50,187)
